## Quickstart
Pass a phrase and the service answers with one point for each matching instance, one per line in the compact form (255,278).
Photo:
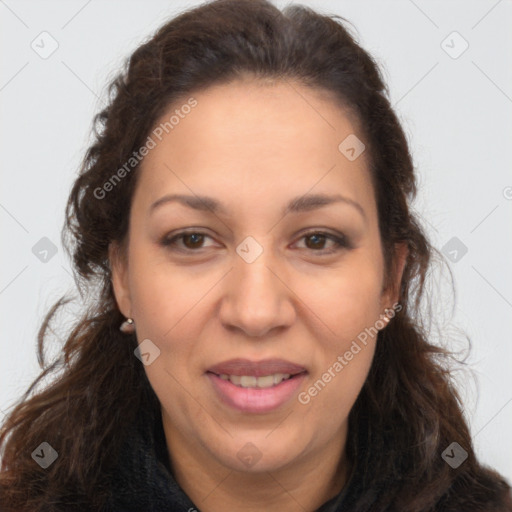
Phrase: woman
(242,230)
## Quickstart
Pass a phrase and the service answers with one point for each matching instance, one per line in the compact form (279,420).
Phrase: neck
(306,484)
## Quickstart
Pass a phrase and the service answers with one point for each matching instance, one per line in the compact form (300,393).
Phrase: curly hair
(408,410)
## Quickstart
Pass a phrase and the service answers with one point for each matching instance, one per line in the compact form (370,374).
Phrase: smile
(256,395)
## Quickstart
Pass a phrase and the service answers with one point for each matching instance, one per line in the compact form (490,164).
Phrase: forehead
(254,138)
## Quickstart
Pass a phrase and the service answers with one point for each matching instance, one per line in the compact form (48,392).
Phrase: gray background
(457,113)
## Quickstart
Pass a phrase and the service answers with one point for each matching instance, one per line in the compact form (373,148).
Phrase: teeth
(250,381)
(266,382)
(278,377)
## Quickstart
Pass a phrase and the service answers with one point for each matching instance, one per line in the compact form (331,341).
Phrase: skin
(254,146)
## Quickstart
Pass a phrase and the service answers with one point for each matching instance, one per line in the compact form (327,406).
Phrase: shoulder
(486,492)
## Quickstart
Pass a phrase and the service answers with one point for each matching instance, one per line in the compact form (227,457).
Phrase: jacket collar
(143,479)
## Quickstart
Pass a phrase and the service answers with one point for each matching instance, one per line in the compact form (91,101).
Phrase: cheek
(346,302)
(163,296)
(337,381)
(166,305)
(170,306)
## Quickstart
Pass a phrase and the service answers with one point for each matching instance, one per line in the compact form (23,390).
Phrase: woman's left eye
(193,240)
(319,237)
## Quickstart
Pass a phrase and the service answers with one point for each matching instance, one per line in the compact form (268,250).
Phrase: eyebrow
(299,204)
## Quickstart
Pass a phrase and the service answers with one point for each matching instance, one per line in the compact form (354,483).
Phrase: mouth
(256,387)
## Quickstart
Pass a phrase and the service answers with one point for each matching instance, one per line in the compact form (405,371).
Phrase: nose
(256,298)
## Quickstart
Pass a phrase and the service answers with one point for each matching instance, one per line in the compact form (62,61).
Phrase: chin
(257,453)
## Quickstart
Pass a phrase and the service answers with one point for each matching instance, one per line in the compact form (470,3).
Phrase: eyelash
(341,242)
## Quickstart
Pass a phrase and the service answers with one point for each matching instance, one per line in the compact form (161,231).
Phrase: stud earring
(384,318)
(128,327)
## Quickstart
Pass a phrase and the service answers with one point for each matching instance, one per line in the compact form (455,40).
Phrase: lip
(255,400)
(256,368)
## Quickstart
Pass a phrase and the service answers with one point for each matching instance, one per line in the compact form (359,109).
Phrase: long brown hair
(408,411)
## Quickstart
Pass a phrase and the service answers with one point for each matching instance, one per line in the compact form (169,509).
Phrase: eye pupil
(196,238)
(317,238)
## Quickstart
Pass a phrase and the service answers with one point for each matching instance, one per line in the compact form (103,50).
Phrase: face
(266,273)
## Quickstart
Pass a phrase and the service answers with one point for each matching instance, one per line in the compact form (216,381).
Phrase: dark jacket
(144,483)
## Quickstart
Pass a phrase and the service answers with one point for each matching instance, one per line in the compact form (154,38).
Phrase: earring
(385,319)
(128,327)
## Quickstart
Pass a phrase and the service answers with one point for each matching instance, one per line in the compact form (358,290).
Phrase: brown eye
(193,240)
(316,240)
(190,241)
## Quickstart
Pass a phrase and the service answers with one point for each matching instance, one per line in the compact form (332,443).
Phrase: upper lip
(256,368)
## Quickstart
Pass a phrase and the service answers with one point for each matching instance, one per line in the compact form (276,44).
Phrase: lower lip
(255,400)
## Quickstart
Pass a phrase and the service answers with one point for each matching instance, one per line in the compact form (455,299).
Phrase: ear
(118,260)
(391,295)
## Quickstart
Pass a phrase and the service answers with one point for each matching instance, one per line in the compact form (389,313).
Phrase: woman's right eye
(191,240)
